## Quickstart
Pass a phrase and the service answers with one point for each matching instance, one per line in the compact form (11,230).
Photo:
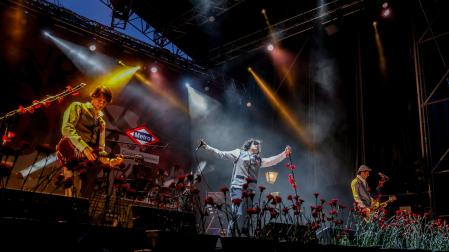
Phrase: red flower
(278,199)
(316,194)
(262,188)
(245,194)
(181,178)
(285,210)
(291,180)
(333,202)
(36,104)
(224,189)
(69,88)
(236,201)
(251,211)
(290,166)
(180,187)
(289,197)
(46,103)
(273,214)
(315,226)
(270,197)
(250,180)
(245,186)
(322,201)
(315,214)
(22,110)
(30,109)
(333,212)
(252,194)
(209,201)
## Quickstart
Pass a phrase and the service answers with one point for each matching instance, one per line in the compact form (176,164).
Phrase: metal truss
(71,20)
(199,15)
(285,29)
(425,101)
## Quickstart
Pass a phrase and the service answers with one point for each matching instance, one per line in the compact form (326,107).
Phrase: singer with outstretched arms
(247,162)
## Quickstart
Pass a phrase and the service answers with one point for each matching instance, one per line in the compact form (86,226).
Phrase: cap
(363,168)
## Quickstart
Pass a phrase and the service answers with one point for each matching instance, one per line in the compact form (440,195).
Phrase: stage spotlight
(375,24)
(92,47)
(385,5)
(211,19)
(263,11)
(153,69)
(206,88)
(270,47)
(386,12)
(249,104)
(46,33)
(187,84)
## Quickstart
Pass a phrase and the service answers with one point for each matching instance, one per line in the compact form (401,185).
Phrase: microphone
(202,143)
(383,176)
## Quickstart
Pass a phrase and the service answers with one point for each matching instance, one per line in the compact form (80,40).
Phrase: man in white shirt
(247,162)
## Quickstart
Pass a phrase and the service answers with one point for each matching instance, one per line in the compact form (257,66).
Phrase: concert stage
(48,222)
(294,125)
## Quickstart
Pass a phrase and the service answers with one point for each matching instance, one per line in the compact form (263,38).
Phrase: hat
(363,168)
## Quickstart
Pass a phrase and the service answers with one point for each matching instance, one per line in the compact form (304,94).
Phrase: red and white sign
(142,135)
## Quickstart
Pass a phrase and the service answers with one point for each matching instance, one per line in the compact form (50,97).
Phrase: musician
(84,126)
(247,162)
(361,191)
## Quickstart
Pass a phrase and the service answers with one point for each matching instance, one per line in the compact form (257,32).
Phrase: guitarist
(84,126)
(361,191)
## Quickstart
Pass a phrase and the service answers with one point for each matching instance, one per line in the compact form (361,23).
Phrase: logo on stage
(142,135)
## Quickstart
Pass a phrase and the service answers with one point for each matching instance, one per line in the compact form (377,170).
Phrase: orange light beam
(380,50)
(283,109)
(166,95)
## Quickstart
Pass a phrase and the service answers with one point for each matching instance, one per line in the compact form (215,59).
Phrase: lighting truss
(70,20)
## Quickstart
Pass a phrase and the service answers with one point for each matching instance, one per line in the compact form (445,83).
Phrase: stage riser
(17,204)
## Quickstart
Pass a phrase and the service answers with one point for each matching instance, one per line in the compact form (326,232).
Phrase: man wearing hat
(361,191)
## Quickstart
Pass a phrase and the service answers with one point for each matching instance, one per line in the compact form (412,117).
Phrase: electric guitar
(377,204)
(70,156)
